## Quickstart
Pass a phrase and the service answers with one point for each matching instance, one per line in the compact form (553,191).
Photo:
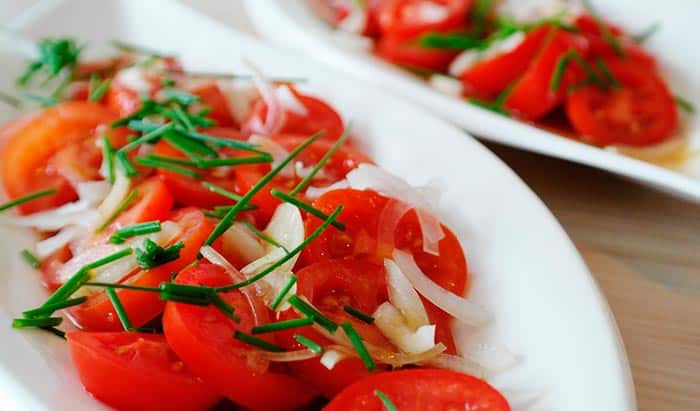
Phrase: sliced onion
(289,101)
(332,357)
(48,246)
(70,214)
(240,98)
(446,85)
(456,363)
(369,176)
(316,192)
(120,190)
(213,256)
(240,242)
(458,307)
(394,327)
(278,153)
(134,78)
(389,219)
(275,114)
(404,297)
(430,12)
(287,356)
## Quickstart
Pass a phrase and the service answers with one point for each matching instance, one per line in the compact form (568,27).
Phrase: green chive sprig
(358,314)
(360,347)
(306,207)
(388,404)
(152,255)
(30,259)
(282,325)
(27,198)
(135,230)
(257,342)
(309,343)
(283,293)
(306,309)
(120,209)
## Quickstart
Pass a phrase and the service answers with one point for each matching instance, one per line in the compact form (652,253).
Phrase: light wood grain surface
(642,246)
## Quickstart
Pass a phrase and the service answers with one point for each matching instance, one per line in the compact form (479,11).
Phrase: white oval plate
(291,23)
(546,306)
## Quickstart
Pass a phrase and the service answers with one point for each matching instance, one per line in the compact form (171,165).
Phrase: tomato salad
(566,69)
(217,237)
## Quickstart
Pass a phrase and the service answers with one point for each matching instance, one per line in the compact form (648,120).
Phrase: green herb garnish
(312,345)
(108,159)
(98,88)
(48,309)
(30,259)
(388,404)
(306,207)
(166,164)
(135,230)
(120,209)
(282,325)
(308,310)
(358,314)
(257,342)
(685,104)
(152,255)
(283,293)
(359,346)
(27,198)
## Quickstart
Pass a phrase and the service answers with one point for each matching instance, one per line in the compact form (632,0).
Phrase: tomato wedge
(641,113)
(330,285)
(532,96)
(412,55)
(203,338)
(211,96)
(420,390)
(490,77)
(26,158)
(97,314)
(361,215)
(135,371)
(406,19)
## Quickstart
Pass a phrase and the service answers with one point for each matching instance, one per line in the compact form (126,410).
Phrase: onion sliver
(404,297)
(289,101)
(456,363)
(120,189)
(288,356)
(277,152)
(240,242)
(46,247)
(394,327)
(274,117)
(316,192)
(458,307)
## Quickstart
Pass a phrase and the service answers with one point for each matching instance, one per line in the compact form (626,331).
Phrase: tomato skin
(430,390)
(532,96)
(412,55)
(203,338)
(641,113)
(122,100)
(490,77)
(212,96)
(135,371)
(27,153)
(97,314)
(403,19)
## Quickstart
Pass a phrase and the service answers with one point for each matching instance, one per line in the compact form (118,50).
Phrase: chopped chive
(98,88)
(642,37)
(40,322)
(119,308)
(488,106)
(359,346)
(148,137)
(288,256)
(172,160)
(43,100)
(152,255)
(136,49)
(306,309)
(685,104)
(185,299)
(564,62)
(358,314)
(306,207)
(257,342)
(326,157)
(156,162)
(51,308)
(311,344)
(126,165)
(263,236)
(283,293)
(607,74)
(135,230)
(234,161)
(27,198)
(182,117)
(120,209)
(147,107)
(178,96)
(282,325)
(55,331)
(122,286)
(10,100)
(452,41)
(388,404)
(608,36)
(108,158)
(145,127)
(187,289)
(168,82)
(192,148)
(229,218)
(221,191)
(30,259)
(224,307)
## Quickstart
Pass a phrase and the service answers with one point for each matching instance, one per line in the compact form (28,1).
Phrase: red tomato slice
(490,77)
(330,285)
(26,158)
(420,390)
(641,113)
(97,314)
(134,371)
(123,100)
(320,116)
(410,54)
(213,97)
(203,338)
(532,96)
(361,216)
(405,19)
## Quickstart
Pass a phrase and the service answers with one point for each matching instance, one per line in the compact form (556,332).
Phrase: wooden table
(642,246)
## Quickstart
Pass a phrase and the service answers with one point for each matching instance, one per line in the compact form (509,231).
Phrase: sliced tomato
(641,113)
(331,285)
(203,338)
(420,390)
(405,19)
(532,96)
(51,265)
(490,77)
(361,216)
(319,116)
(26,158)
(134,371)
(214,98)
(412,55)
(97,314)
(122,100)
